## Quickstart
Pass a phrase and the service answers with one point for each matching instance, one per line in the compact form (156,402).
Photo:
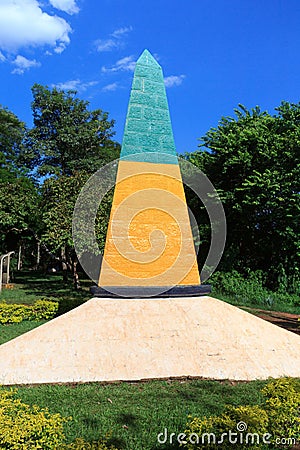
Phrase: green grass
(10,331)
(30,286)
(134,413)
(33,285)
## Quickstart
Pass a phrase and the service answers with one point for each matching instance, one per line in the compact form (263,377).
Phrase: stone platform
(136,339)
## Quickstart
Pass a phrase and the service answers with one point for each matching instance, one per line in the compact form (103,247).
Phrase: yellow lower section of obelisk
(149,240)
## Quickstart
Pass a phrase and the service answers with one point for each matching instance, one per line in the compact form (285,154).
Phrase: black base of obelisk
(151,291)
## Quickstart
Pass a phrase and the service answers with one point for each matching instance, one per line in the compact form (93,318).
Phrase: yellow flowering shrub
(43,309)
(278,418)
(16,313)
(283,408)
(24,427)
(254,417)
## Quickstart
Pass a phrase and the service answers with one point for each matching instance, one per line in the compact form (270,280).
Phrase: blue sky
(214,53)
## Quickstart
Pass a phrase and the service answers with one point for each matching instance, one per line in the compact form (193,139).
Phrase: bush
(13,313)
(16,313)
(43,309)
(250,290)
(278,416)
(283,408)
(24,427)
(232,419)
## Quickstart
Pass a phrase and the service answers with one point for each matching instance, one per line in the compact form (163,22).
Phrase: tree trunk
(76,280)
(38,255)
(64,264)
(19,266)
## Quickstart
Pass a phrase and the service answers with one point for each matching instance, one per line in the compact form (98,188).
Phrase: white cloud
(126,64)
(74,85)
(110,87)
(24,24)
(68,6)
(174,80)
(121,31)
(105,45)
(114,40)
(2,57)
(23,64)
(59,48)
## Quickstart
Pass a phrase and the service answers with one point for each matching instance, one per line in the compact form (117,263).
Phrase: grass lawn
(134,413)
(29,286)
(12,330)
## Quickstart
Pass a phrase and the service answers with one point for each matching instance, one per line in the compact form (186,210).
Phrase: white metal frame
(2,258)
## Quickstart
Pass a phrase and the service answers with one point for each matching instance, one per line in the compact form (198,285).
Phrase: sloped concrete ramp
(134,339)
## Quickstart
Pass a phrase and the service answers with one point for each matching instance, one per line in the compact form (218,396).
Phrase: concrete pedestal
(134,339)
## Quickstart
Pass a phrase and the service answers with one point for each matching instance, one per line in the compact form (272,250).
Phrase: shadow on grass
(48,285)
(117,442)
(128,419)
(30,286)
(91,423)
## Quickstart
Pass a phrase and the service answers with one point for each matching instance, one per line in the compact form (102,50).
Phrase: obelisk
(149,245)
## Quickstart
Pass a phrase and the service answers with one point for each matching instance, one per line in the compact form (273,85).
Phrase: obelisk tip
(146,59)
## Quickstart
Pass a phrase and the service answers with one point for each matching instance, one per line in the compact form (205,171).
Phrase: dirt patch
(284,320)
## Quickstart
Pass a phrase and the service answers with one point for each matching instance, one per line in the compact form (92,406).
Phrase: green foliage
(58,201)
(18,193)
(254,416)
(253,161)
(19,199)
(11,138)
(283,408)
(278,416)
(59,196)
(251,290)
(72,143)
(24,427)
(67,135)
(19,212)
(43,310)
(16,313)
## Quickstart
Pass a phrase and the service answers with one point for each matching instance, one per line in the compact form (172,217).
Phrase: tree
(67,135)
(19,212)
(11,137)
(254,162)
(59,198)
(73,142)
(18,193)
(15,155)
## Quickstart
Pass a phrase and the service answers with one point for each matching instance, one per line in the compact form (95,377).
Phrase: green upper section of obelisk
(148,135)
